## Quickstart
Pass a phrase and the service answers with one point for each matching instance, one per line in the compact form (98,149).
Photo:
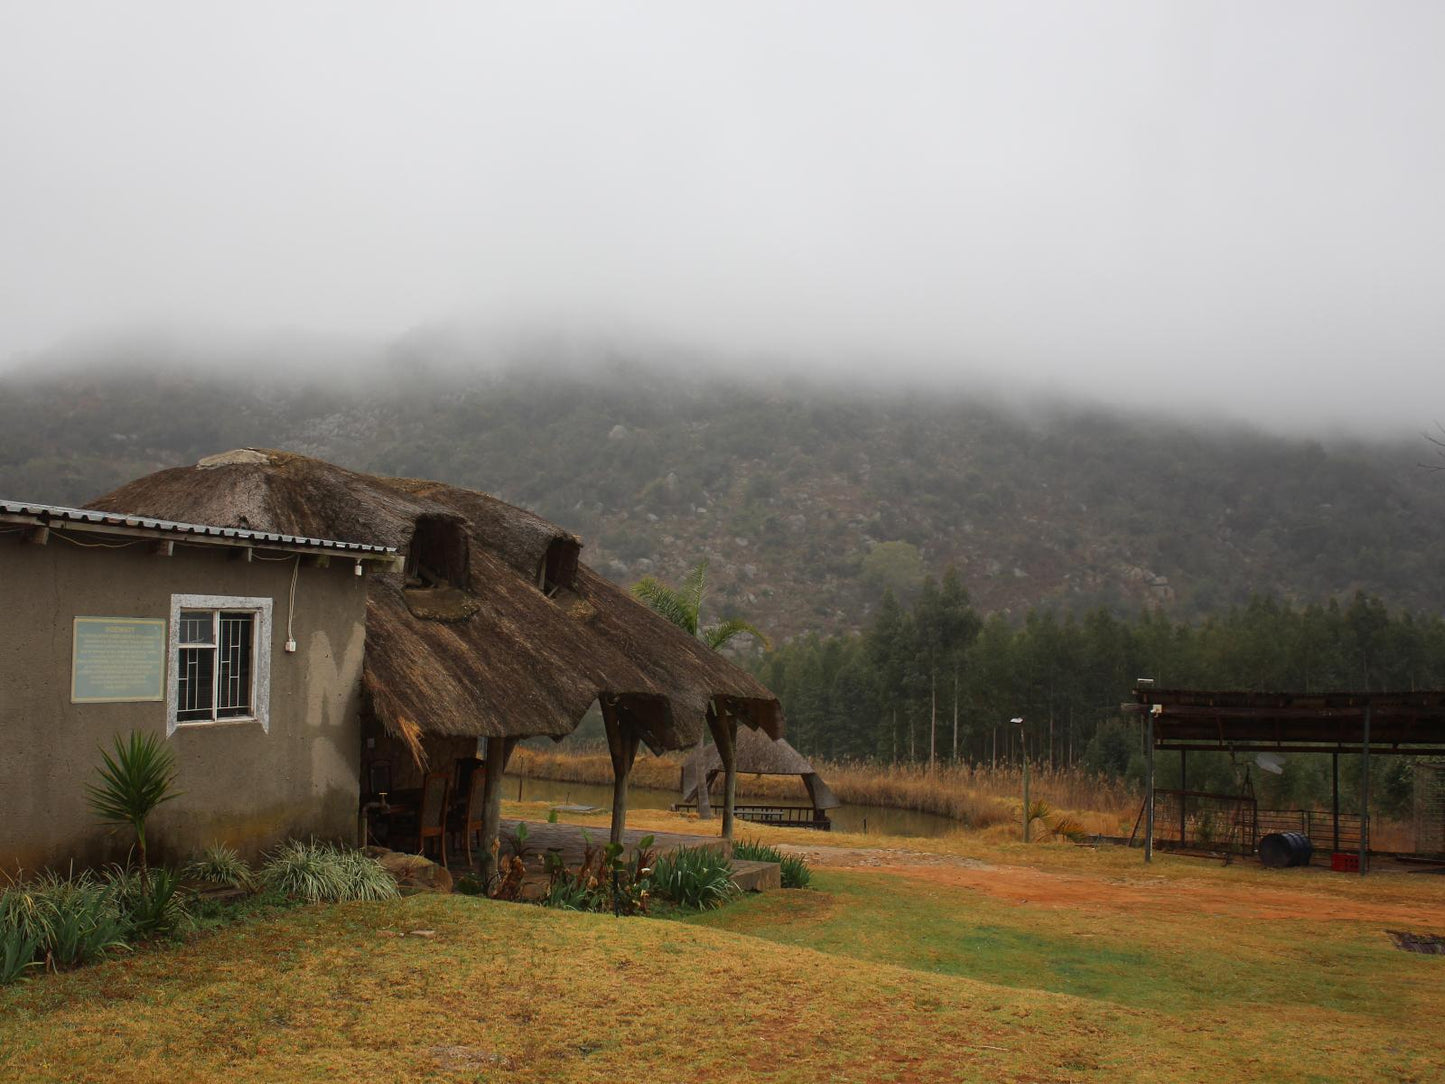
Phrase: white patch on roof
(236,457)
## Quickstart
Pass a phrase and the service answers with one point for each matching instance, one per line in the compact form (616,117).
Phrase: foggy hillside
(806,501)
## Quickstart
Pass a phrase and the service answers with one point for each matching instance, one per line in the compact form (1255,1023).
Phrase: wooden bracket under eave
(166,548)
(318,560)
(37,536)
(242,553)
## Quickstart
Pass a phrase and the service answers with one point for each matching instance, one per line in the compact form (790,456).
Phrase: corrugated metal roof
(50,513)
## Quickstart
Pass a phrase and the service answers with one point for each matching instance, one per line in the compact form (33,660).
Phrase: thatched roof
(758,754)
(494,656)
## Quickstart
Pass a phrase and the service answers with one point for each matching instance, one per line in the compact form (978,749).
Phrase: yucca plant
(138,778)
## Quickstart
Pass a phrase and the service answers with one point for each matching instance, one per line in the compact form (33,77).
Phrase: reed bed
(978,797)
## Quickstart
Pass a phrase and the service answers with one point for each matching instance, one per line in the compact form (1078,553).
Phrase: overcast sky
(1200,206)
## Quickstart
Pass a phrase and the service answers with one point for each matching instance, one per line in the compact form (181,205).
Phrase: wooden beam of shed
(37,536)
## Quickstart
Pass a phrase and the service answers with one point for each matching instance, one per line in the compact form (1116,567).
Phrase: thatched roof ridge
(758,754)
(522,663)
(517,536)
(261,489)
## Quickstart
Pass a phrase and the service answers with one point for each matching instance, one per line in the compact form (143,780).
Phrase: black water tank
(1280,849)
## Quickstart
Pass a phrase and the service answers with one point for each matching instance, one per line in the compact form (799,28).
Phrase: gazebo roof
(758,754)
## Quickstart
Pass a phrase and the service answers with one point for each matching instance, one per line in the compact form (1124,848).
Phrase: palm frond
(667,602)
(724,631)
(694,587)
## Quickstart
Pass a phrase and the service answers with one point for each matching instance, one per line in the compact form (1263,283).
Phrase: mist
(1211,211)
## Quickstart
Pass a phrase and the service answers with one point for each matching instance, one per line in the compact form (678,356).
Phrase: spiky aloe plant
(138,778)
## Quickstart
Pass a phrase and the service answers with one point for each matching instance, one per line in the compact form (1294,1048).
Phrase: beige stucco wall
(242,786)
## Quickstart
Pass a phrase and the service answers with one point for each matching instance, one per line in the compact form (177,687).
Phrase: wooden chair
(472,815)
(433,819)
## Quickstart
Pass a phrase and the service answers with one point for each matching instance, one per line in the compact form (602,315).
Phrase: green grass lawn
(892,975)
(1194,963)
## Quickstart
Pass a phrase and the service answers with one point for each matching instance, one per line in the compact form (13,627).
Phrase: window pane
(196,669)
(196,627)
(233,685)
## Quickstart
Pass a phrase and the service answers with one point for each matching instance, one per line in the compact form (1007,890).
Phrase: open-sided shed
(1352,724)
(759,754)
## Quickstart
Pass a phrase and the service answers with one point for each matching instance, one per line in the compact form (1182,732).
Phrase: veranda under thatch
(758,754)
(494,629)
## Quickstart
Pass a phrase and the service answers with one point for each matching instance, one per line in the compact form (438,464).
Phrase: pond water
(846,818)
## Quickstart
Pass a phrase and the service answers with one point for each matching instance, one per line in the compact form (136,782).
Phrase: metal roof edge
(49,514)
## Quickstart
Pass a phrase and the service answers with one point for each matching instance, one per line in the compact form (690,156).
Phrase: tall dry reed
(977,797)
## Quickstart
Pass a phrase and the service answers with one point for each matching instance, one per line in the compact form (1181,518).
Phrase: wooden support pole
(1149,791)
(622,738)
(724,729)
(499,751)
(1183,790)
(1335,794)
(704,800)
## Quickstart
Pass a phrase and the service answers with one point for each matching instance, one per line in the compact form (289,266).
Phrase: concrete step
(757,876)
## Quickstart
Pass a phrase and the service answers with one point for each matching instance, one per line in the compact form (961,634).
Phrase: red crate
(1345,862)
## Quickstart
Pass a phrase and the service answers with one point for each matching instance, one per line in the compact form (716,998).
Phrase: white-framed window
(220,654)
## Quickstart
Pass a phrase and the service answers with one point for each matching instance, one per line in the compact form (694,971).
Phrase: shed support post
(724,729)
(1149,789)
(1183,792)
(1335,794)
(499,751)
(1365,796)
(622,738)
(810,782)
(704,803)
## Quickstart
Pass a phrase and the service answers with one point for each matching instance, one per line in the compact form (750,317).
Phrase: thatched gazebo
(759,754)
(493,630)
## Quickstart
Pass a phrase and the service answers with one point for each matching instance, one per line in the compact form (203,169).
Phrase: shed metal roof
(1399,722)
(58,516)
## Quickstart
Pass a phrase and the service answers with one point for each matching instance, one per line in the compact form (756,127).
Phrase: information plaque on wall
(118,659)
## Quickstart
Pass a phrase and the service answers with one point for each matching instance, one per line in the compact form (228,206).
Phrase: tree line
(934,681)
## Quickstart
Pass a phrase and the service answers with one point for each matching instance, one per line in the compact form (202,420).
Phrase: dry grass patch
(979,798)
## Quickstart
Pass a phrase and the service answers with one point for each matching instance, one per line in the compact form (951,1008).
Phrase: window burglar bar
(215,667)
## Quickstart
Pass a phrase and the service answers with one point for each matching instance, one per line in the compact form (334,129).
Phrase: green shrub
(219,865)
(605,880)
(698,877)
(68,921)
(324,873)
(17,954)
(150,904)
(796,873)
(469,884)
